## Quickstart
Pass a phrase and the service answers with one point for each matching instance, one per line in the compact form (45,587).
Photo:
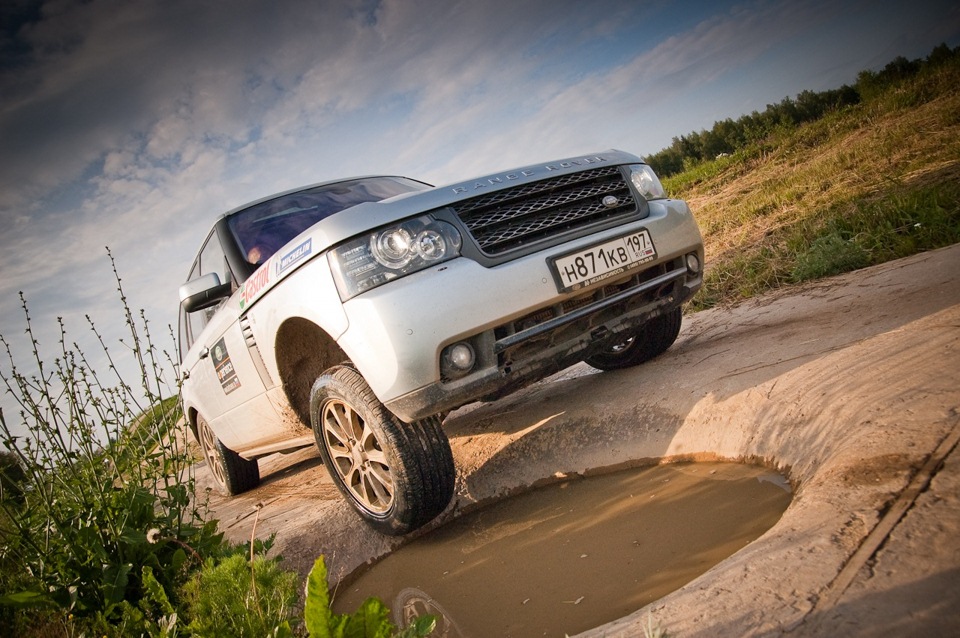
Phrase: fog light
(462,356)
(458,359)
(693,263)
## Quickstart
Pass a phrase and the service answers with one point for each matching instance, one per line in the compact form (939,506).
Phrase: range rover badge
(610,201)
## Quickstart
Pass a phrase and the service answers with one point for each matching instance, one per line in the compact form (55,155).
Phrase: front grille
(511,218)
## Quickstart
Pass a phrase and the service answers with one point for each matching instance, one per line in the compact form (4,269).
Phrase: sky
(134,124)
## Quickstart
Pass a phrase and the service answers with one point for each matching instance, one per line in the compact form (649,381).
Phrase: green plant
(152,615)
(829,255)
(96,475)
(370,621)
(235,597)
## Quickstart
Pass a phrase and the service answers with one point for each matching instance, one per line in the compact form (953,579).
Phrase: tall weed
(93,476)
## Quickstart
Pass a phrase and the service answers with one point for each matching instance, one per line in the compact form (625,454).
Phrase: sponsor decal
(252,288)
(294,256)
(226,373)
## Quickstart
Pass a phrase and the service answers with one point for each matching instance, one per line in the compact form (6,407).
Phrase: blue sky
(134,124)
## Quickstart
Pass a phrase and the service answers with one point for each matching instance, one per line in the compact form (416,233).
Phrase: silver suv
(355,314)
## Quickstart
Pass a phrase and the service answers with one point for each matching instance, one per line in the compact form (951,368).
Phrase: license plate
(603,261)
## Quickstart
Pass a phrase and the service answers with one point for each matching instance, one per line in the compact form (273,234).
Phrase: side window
(211,259)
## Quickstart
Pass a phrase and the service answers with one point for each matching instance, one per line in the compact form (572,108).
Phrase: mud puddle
(572,556)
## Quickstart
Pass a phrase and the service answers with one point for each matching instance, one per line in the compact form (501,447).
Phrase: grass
(871,183)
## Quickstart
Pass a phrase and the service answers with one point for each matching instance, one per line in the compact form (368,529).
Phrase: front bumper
(512,315)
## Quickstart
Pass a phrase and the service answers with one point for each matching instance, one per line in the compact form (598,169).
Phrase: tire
(651,340)
(397,476)
(232,473)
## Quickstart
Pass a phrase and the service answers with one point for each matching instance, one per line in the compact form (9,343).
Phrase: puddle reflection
(571,556)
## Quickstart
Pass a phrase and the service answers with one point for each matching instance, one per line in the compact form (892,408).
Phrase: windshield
(264,228)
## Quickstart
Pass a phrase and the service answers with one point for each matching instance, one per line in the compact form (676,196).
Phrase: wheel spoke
(338,454)
(382,476)
(336,423)
(353,476)
(346,468)
(377,492)
(371,447)
(336,439)
(377,456)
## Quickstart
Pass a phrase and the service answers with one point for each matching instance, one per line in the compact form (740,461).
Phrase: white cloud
(137,123)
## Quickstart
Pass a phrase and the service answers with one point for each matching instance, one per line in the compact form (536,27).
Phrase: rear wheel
(397,476)
(651,340)
(232,473)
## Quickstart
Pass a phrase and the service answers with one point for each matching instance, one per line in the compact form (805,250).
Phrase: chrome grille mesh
(513,217)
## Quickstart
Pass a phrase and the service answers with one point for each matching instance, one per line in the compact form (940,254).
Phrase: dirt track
(851,386)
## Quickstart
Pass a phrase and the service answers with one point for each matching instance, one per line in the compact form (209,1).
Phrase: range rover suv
(354,314)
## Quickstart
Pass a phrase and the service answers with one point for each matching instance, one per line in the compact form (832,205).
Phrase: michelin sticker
(294,256)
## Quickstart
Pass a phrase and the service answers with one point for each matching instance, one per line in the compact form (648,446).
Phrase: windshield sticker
(294,256)
(224,367)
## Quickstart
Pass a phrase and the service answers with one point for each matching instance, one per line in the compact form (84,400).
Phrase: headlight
(646,181)
(390,253)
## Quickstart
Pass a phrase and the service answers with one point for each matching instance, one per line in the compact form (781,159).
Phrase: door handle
(205,353)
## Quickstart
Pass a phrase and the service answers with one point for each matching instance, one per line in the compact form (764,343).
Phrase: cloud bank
(134,124)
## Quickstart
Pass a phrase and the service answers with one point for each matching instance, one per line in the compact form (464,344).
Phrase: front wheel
(232,473)
(397,476)
(651,340)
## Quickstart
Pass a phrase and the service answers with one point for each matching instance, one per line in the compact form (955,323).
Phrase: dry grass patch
(870,183)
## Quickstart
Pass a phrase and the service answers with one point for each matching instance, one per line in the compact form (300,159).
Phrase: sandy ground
(850,387)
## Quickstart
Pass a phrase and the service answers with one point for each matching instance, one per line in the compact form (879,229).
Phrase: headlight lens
(392,252)
(392,248)
(646,181)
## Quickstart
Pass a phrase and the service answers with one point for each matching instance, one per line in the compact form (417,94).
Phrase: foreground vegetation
(863,184)
(101,532)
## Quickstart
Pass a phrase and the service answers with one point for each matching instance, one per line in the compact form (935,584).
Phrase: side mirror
(203,292)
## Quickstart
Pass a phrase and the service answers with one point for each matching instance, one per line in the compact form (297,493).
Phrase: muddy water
(572,556)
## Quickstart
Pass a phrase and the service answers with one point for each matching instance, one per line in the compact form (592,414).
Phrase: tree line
(728,136)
